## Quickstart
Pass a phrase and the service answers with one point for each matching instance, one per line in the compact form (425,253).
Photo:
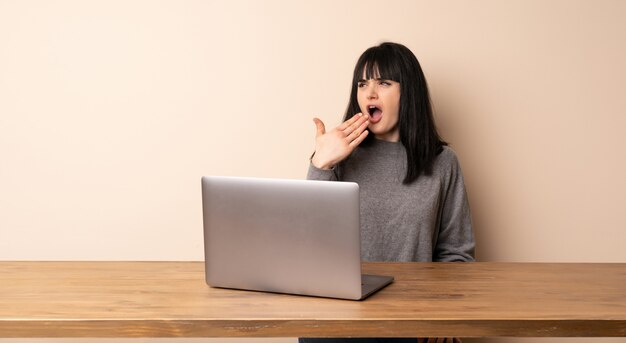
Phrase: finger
(359,139)
(349,122)
(321,128)
(355,126)
(356,129)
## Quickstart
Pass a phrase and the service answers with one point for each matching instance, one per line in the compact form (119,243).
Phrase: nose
(372,92)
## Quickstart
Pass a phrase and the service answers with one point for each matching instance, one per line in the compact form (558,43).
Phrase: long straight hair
(418,134)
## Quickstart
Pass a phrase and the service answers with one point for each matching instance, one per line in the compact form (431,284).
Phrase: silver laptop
(285,236)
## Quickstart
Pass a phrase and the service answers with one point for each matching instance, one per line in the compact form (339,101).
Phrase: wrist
(321,164)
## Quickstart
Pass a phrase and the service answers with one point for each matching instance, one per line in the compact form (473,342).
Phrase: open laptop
(285,236)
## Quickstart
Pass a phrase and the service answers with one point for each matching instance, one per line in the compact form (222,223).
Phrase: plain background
(111,111)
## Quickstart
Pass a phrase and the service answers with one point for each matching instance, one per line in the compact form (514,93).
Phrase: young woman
(413,201)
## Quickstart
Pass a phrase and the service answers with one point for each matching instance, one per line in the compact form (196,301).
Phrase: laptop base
(373,283)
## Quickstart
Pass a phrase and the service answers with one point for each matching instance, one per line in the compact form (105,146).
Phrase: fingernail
(360,114)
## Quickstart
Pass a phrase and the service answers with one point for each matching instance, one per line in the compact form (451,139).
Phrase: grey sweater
(427,220)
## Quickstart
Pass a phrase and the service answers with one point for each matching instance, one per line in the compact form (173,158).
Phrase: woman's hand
(333,146)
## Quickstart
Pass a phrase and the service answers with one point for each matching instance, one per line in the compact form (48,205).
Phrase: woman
(413,201)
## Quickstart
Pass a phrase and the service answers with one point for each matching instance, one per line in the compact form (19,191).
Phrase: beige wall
(110,111)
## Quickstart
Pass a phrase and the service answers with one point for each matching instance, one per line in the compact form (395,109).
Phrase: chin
(377,131)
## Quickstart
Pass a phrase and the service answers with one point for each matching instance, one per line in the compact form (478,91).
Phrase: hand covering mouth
(375,113)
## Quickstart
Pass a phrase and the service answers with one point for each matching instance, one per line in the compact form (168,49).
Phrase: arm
(316,173)
(455,241)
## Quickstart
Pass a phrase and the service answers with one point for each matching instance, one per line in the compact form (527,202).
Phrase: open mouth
(375,113)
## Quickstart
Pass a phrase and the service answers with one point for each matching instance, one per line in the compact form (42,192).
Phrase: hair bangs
(378,63)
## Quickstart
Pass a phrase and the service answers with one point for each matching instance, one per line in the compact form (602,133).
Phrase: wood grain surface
(170,299)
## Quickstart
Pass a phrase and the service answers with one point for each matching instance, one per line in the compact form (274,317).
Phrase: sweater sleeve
(455,241)
(321,174)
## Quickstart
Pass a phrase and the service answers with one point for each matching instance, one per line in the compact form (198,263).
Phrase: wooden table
(170,299)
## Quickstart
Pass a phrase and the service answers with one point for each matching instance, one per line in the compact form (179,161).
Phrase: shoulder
(447,167)
(446,160)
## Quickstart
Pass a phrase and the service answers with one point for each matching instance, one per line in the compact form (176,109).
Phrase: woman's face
(380,98)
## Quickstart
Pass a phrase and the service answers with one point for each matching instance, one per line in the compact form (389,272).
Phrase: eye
(360,84)
(385,83)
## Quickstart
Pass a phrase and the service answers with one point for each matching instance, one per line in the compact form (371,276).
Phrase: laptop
(285,236)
